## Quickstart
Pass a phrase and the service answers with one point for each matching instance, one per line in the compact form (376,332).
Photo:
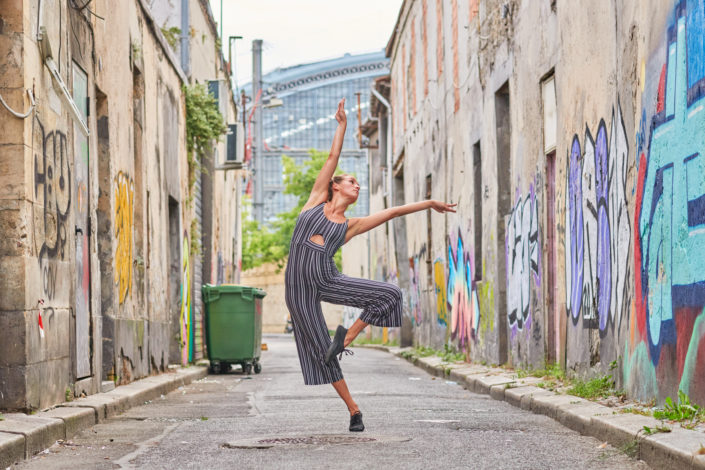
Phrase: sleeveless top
(314,222)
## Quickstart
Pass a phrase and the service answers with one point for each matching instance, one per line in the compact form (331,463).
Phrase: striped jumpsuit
(311,277)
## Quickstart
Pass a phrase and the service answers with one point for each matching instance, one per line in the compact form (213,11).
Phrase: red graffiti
(661,90)
(639,297)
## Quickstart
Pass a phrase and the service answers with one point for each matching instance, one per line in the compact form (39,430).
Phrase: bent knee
(396,294)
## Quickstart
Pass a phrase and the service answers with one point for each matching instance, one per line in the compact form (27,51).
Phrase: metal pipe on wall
(389,159)
(258,176)
(185,27)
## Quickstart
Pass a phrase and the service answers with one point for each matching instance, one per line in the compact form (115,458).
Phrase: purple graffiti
(574,256)
(597,245)
(604,273)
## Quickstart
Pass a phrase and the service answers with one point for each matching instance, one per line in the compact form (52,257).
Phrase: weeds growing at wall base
(631,448)
(636,411)
(550,371)
(687,413)
(598,387)
(360,341)
(649,431)
(448,354)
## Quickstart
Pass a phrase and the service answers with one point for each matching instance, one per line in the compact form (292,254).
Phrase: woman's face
(349,187)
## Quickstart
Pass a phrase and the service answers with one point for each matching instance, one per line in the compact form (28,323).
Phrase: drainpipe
(386,104)
(185,29)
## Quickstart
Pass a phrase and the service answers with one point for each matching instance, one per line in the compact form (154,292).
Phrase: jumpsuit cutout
(311,277)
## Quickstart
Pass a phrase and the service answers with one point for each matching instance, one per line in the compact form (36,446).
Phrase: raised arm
(319,193)
(363,224)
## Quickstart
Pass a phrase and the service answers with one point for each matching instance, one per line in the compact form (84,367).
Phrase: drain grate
(315,440)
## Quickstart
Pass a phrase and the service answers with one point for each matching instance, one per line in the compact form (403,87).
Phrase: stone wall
(96,258)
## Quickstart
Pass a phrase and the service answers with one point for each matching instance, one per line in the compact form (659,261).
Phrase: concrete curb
(677,449)
(22,436)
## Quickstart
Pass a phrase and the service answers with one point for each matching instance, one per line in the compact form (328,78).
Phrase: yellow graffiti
(439,279)
(185,319)
(485,292)
(124,200)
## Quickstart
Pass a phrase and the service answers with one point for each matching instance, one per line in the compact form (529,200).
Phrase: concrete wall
(578,232)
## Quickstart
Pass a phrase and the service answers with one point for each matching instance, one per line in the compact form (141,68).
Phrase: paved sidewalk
(679,448)
(22,436)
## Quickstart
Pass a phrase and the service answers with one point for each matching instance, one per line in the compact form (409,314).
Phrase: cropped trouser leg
(381,302)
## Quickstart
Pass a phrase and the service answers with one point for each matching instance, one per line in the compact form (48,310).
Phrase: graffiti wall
(665,351)
(463,305)
(186,307)
(124,213)
(439,285)
(52,192)
(415,302)
(523,255)
(615,158)
(598,228)
(523,258)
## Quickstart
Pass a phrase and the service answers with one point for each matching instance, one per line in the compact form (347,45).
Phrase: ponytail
(337,180)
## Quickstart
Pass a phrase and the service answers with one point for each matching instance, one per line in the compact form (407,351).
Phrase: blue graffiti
(462,298)
(672,220)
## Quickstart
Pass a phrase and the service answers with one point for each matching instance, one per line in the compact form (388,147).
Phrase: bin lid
(235,289)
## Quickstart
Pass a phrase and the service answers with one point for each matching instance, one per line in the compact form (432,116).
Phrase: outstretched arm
(319,193)
(363,224)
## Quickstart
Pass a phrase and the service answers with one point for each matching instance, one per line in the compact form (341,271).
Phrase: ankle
(349,338)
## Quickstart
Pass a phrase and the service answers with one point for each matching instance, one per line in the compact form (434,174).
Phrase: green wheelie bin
(233,326)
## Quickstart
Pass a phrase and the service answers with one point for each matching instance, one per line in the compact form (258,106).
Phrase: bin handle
(247,294)
(210,296)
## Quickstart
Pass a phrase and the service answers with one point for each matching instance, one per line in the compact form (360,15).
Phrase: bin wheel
(214,368)
(224,368)
(247,369)
(258,367)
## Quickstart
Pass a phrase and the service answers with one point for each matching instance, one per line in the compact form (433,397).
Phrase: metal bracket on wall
(59,85)
(231,165)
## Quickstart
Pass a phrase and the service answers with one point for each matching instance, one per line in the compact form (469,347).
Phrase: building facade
(310,94)
(97,259)
(570,137)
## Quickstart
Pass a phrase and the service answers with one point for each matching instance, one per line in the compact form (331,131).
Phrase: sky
(302,31)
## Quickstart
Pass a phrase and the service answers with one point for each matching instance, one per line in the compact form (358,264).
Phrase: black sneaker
(338,344)
(356,423)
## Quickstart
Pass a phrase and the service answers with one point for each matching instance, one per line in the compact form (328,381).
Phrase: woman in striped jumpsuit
(311,275)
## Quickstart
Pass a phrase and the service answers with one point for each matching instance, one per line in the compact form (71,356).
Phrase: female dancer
(311,275)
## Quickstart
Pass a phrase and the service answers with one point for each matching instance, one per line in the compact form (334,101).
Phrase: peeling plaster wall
(624,286)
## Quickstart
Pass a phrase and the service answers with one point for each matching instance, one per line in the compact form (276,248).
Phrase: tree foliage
(271,244)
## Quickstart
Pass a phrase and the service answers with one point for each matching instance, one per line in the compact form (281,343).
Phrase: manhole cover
(315,440)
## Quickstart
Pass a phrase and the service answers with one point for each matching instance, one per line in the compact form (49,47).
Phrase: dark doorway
(504,206)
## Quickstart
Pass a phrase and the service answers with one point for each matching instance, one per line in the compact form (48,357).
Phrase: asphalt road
(272,420)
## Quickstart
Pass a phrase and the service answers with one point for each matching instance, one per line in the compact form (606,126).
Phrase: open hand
(340,113)
(440,206)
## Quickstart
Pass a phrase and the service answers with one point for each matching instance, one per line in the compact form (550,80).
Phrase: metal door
(82,279)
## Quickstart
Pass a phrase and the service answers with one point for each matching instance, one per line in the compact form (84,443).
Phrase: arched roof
(288,80)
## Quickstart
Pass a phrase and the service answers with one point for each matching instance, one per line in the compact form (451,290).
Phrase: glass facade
(310,94)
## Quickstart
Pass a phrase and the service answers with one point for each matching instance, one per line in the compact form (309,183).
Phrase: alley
(413,420)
